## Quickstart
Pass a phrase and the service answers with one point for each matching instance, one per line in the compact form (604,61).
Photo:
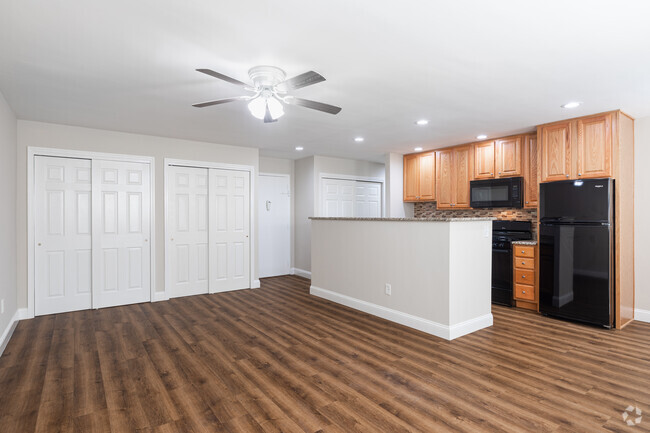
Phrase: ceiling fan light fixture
(275,108)
(257,107)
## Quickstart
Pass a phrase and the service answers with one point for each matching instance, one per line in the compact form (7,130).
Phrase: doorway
(274,204)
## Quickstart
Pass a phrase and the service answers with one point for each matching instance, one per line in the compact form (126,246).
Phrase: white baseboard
(642,315)
(425,325)
(301,273)
(256,284)
(9,330)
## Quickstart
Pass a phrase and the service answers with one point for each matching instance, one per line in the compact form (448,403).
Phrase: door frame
(291,211)
(323,176)
(32,152)
(254,282)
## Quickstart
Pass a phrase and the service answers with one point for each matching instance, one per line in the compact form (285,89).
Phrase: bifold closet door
(121,233)
(62,234)
(188,229)
(229,251)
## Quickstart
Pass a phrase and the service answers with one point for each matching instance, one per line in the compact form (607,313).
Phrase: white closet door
(121,233)
(188,228)
(338,198)
(229,230)
(62,234)
(367,200)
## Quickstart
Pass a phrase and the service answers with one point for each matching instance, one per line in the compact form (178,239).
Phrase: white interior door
(229,201)
(187,213)
(367,200)
(338,198)
(350,198)
(121,233)
(274,217)
(62,235)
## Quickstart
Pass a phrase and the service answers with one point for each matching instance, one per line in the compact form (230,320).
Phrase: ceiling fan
(270,91)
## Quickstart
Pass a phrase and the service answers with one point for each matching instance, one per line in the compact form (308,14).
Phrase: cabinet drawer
(524,291)
(524,251)
(524,263)
(524,277)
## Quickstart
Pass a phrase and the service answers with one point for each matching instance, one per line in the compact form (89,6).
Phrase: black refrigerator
(576,250)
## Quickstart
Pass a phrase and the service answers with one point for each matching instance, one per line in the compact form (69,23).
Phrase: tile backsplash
(429,210)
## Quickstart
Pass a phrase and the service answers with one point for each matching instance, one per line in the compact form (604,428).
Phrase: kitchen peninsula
(433,275)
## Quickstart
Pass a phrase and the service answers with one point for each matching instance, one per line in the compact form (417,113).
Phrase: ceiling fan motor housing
(266,76)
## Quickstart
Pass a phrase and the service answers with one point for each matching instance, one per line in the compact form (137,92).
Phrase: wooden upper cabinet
(444,178)
(420,177)
(595,146)
(427,177)
(453,170)
(531,183)
(508,157)
(556,151)
(463,171)
(484,160)
(411,177)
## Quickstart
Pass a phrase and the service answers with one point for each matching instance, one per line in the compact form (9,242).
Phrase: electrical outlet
(2,306)
(388,289)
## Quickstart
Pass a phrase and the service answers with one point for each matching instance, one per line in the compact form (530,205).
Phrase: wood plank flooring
(279,360)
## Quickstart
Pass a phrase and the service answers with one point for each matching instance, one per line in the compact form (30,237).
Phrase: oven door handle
(498,250)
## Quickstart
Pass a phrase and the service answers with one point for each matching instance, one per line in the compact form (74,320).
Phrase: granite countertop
(404,219)
(529,243)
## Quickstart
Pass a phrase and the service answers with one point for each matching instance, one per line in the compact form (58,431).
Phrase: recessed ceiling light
(418,149)
(299,148)
(358,139)
(572,104)
(422,122)
(481,137)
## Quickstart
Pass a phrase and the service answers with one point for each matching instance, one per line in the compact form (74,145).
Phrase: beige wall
(283,166)
(641,213)
(7,214)
(308,172)
(39,134)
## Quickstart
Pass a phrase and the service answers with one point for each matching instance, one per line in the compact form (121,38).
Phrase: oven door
(496,193)
(502,274)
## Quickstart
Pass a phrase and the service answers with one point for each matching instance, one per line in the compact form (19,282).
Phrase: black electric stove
(503,234)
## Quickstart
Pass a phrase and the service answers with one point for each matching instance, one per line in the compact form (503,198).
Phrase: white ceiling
(470,67)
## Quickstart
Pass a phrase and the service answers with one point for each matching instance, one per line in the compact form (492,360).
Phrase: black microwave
(492,193)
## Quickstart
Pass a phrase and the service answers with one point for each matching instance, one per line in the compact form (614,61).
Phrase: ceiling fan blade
(332,109)
(214,74)
(217,102)
(302,80)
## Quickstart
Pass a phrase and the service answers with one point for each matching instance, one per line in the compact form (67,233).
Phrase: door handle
(268,205)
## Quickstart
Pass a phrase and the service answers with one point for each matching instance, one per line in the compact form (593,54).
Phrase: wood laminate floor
(279,360)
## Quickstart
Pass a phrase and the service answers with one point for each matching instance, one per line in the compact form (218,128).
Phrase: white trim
(256,284)
(348,177)
(160,296)
(9,330)
(167,162)
(67,153)
(642,315)
(430,327)
(301,273)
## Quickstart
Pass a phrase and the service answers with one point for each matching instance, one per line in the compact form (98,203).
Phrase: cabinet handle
(491,173)
(579,174)
(523,291)
(526,202)
(523,263)
(499,172)
(567,175)
(523,276)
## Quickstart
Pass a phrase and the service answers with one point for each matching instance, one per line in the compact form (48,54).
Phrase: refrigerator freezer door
(588,200)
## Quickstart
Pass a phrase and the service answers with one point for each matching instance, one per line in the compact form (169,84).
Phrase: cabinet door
(427,176)
(508,157)
(411,178)
(530,171)
(444,178)
(556,152)
(595,146)
(484,160)
(462,173)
